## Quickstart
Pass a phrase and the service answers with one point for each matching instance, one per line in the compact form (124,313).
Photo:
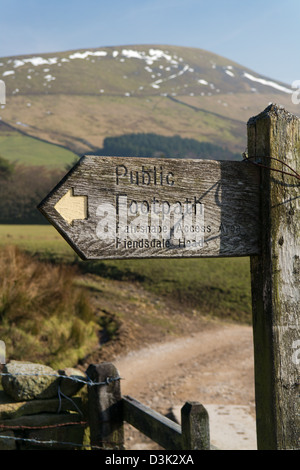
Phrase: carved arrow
(72,207)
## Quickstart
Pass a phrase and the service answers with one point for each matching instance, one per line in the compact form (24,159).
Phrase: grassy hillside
(41,240)
(28,151)
(218,288)
(215,287)
(77,98)
(81,123)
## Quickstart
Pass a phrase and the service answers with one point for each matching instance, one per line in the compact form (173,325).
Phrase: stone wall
(38,403)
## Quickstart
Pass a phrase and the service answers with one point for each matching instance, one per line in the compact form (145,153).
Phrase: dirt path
(213,367)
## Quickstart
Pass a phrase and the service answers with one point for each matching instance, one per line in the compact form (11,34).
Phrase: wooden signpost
(120,208)
(112,207)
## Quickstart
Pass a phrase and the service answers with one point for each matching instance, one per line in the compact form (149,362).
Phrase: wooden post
(105,407)
(195,427)
(276,280)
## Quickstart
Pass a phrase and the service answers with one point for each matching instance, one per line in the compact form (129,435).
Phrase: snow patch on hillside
(262,81)
(49,77)
(171,77)
(36,61)
(7,73)
(84,55)
(152,56)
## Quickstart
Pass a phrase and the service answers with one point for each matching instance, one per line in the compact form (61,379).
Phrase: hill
(76,99)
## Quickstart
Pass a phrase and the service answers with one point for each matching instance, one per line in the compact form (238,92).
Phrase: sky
(263,35)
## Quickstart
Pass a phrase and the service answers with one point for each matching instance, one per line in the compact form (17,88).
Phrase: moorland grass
(218,287)
(44,316)
(212,287)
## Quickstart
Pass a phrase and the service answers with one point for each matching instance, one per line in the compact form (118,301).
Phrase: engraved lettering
(170,182)
(121,171)
(144,177)
(134,179)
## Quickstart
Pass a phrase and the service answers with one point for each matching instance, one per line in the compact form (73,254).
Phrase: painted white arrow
(72,207)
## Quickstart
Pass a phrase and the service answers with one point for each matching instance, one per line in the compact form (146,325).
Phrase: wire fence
(88,381)
(50,442)
(258,161)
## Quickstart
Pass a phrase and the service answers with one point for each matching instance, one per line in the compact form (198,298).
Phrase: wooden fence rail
(108,410)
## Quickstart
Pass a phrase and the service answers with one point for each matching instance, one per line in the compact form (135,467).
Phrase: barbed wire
(52,442)
(21,427)
(14,427)
(61,394)
(86,381)
(294,173)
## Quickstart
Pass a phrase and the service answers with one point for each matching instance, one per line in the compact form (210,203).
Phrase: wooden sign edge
(44,203)
(45,200)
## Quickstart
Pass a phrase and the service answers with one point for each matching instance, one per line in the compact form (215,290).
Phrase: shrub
(44,316)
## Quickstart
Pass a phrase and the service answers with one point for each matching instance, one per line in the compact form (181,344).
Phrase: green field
(41,240)
(215,287)
(28,151)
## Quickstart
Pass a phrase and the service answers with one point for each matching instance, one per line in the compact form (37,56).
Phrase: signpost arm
(274,142)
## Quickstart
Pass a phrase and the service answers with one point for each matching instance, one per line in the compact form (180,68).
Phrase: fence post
(195,427)
(275,279)
(105,407)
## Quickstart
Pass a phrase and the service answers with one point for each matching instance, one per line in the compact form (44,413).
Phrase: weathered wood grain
(160,190)
(276,281)
(157,427)
(195,427)
(104,408)
(193,434)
